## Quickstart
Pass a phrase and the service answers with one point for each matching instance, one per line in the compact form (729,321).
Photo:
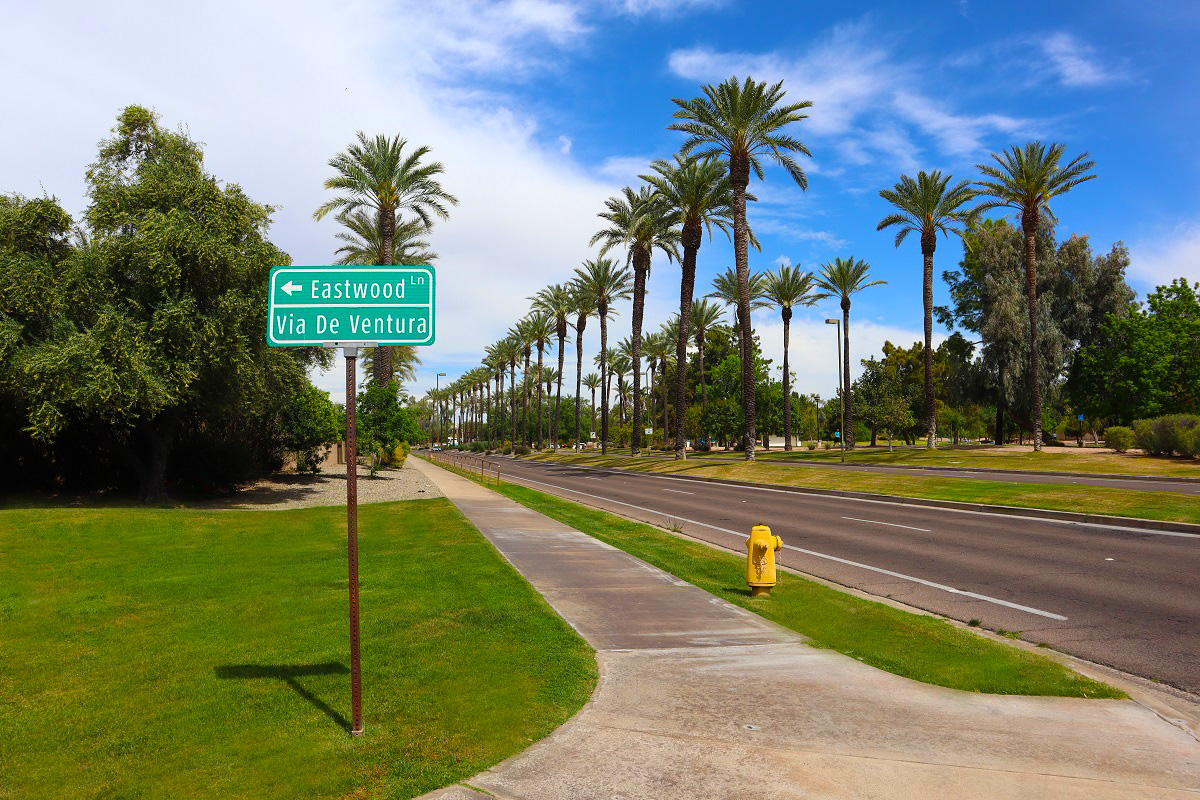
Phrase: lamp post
(841,389)
(437,402)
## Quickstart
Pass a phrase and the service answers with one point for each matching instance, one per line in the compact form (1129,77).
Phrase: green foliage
(309,423)
(1146,363)
(1119,438)
(140,352)
(383,423)
(1174,433)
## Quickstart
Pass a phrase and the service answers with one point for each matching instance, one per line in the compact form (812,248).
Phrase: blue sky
(543,108)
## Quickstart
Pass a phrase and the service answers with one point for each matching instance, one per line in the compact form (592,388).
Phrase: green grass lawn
(920,647)
(1051,459)
(187,654)
(1092,500)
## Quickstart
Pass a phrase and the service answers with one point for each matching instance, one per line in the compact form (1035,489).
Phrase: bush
(1119,438)
(507,451)
(521,450)
(702,446)
(477,447)
(812,445)
(1174,433)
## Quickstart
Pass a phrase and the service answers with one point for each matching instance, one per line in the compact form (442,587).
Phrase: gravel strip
(289,490)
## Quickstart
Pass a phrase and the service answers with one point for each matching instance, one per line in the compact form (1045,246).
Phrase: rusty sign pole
(351,353)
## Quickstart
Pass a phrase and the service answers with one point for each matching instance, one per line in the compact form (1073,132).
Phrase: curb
(953,505)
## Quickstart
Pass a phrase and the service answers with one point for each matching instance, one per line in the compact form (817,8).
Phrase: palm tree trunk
(848,421)
(787,380)
(540,438)
(593,409)
(928,244)
(556,425)
(641,265)
(579,324)
(1029,222)
(739,177)
(703,379)
(692,236)
(513,388)
(603,309)
(525,435)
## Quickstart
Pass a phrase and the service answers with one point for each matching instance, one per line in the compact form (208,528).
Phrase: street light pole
(437,401)
(841,388)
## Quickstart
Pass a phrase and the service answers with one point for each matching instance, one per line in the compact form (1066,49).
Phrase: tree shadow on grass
(288,674)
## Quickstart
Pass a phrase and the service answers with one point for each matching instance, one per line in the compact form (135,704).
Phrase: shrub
(507,451)
(1143,437)
(477,447)
(812,445)
(521,450)
(702,446)
(1174,433)
(1118,438)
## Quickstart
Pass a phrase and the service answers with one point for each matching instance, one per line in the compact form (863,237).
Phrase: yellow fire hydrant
(760,560)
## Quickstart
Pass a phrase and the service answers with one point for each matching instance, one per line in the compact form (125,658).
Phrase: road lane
(1127,598)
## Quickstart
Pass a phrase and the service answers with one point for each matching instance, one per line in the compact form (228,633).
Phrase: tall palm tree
(787,288)
(522,332)
(558,301)
(698,195)
(926,206)
(727,289)
(705,315)
(607,283)
(641,223)
(363,244)
(619,366)
(659,352)
(376,174)
(842,278)
(541,328)
(584,307)
(1027,179)
(742,123)
(592,382)
(404,358)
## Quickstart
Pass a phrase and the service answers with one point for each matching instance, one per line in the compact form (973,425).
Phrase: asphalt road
(1128,599)
(1145,484)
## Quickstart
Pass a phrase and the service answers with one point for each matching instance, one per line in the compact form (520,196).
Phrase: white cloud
(625,169)
(958,134)
(564,145)
(1175,255)
(273,96)
(1077,64)
(664,7)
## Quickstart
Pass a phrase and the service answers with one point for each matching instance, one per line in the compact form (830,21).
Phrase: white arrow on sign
(290,287)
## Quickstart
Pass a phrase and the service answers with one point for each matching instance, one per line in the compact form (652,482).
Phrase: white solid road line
(677,491)
(890,524)
(860,565)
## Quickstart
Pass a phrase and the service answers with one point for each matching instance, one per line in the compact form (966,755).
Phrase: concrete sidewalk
(701,699)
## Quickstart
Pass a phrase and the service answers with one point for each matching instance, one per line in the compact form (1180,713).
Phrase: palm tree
(510,351)
(697,195)
(704,316)
(404,360)
(727,289)
(659,349)
(364,244)
(376,174)
(741,123)
(584,307)
(787,288)
(619,366)
(1027,179)
(843,278)
(606,283)
(558,301)
(522,333)
(592,382)
(641,223)
(540,329)
(926,206)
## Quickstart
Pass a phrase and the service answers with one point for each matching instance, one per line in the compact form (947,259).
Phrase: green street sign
(322,306)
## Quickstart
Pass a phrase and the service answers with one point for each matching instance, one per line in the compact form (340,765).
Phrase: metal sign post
(379,306)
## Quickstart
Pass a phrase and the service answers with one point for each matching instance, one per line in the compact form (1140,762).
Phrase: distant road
(1141,484)
(1130,599)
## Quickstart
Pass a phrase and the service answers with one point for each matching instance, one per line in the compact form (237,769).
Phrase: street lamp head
(441,374)
(832,321)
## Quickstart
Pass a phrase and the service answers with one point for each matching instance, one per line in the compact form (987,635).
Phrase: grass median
(1051,459)
(924,648)
(1175,507)
(176,653)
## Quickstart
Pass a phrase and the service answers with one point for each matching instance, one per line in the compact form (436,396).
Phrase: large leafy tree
(927,206)
(843,278)
(151,337)
(642,223)
(376,175)
(558,302)
(606,282)
(787,288)
(1144,364)
(697,195)
(743,123)
(1026,179)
